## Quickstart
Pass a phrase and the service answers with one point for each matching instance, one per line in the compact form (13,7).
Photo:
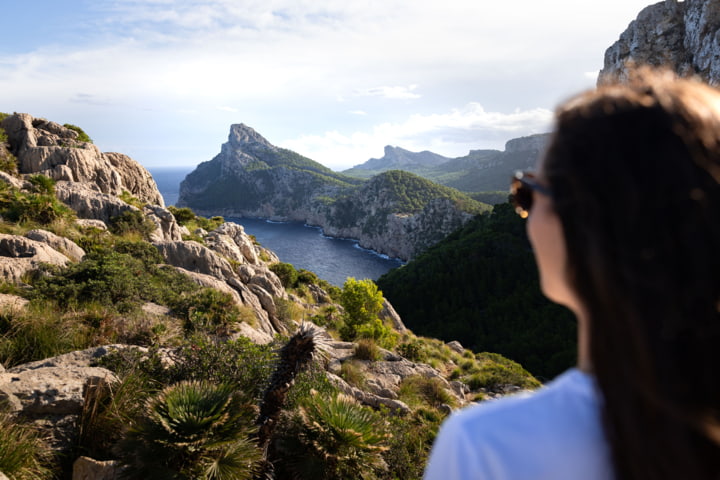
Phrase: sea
(304,246)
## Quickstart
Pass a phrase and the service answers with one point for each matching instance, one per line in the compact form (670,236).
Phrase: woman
(624,220)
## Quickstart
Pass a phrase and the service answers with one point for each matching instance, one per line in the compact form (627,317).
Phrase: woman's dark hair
(634,170)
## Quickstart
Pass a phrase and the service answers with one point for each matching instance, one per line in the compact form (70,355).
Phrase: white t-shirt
(553,434)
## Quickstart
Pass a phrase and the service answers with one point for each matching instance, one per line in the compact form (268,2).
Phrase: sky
(334,80)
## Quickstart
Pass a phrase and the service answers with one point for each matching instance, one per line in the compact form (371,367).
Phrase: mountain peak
(241,135)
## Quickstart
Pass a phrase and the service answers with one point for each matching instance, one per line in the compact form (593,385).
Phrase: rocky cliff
(251,177)
(683,36)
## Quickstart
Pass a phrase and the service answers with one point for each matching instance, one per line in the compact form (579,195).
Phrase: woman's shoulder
(554,432)
(573,393)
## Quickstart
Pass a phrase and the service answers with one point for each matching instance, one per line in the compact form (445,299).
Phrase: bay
(332,259)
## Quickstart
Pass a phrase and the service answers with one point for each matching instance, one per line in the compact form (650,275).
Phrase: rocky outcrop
(166,227)
(683,36)
(52,392)
(48,148)
(89,203)
(85,468)
(63,245)
(20,255)
(254,286)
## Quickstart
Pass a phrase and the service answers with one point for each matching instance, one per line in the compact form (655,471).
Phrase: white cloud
(451,134)
(358,112)
(394,93)
(228,109)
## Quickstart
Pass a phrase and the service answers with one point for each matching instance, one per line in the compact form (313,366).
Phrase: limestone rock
(135,178)
(388,313)
(3,476)
(91,223)
(53,150)
(211,282)
(20,255)
(241,239)
(195,257)
(89,203)
(224,245)
(86,468)
(455,346)
(257,336)
(12,302)
(683,36)
(63,245)
(166,227)
(51,390)
(368,398)
(12,181)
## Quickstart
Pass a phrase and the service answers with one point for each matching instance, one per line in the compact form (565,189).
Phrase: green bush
(37,334)
(208,310)
(286,273)
(362,302)
(24,455)
(183,216)
(496,371)
(367,349)
(412,439)
(82,136)
(132,221)
(419,390)
(413,350)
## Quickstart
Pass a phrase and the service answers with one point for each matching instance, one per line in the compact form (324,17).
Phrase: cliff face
(683,36)
(251,177)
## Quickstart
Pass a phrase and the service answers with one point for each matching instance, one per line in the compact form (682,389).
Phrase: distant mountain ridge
(398,213)
(478,171)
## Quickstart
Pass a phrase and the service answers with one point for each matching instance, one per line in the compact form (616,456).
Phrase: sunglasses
(522,189)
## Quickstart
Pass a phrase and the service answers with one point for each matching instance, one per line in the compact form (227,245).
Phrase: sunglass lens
(522,197)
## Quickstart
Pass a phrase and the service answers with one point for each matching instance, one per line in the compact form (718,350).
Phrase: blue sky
(163,80)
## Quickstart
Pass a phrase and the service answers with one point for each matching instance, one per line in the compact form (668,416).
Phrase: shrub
(428,391)
(496,371)
(182,215)
(128,198)
(132,221)
(37,334)
(383,335)
(352,374)
(192,429)
(24,455)
(413,350)
(367,349)
(286,273)
(82,136)
(412,439)
(208,310)
(104,277)
(362,302)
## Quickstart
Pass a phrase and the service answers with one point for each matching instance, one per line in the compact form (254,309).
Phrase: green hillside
(480,286)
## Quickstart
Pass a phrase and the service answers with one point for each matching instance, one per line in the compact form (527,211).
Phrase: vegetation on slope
(480,286)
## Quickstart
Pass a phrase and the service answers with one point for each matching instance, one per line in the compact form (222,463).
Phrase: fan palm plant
(338,439)
(192,430)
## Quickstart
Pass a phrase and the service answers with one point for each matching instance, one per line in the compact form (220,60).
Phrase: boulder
(20,255)
(455,346)
(368,398)
(211,282)
(63,245)
(224,245)
(166,227)
(389,314)
(86,468)
(243,241)
(135,178)
(12,302)
(195,257)
(91,223)
(88,202)
(257,336)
